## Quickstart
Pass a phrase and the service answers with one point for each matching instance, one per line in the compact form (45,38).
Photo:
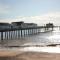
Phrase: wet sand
(29,56)
(21,55)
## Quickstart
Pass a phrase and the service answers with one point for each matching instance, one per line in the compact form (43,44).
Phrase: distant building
(49,25)
(23,25)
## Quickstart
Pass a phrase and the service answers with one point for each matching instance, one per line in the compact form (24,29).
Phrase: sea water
(44,39)
(41,39)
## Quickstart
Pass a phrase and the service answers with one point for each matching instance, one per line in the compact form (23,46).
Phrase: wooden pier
(11,34)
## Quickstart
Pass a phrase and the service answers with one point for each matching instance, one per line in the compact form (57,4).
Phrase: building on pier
(49,25)
(13,31)
(23,25)
(5,26)
(28,25)
(16,25)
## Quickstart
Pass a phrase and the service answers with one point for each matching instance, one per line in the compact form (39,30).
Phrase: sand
(29,56)
(39,56)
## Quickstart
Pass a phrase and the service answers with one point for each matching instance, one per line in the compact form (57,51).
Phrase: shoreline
(18,53)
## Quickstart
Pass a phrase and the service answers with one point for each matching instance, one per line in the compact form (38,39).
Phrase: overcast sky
(35,11)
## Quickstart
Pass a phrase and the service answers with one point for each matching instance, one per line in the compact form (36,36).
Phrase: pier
(10,34)
(17,30)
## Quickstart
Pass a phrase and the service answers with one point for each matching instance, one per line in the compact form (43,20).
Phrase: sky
(30,11)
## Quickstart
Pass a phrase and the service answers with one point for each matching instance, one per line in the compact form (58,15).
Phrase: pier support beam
(28,31)
(24,33)
(18,34)
(7,35)
(21,33)
(1,36)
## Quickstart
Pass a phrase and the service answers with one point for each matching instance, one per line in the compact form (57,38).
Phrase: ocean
(38,42)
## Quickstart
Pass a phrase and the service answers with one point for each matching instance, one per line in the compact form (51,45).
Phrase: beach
(30,56)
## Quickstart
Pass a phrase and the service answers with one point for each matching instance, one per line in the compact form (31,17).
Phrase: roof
(4,24)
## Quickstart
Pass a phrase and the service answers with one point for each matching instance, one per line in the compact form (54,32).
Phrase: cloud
(4,9)
(53,17)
